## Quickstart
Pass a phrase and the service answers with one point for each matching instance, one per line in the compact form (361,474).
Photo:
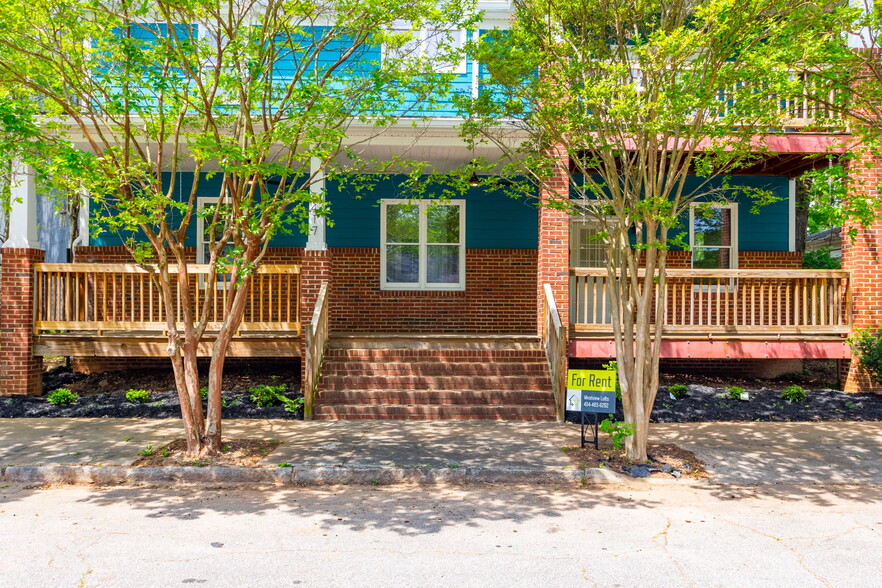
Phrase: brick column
(20,371)
(863,258)
(315,268)
(554,241)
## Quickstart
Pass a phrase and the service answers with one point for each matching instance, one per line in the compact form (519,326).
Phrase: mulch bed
(103,395)
(709,404)
(660,455)
(245,453)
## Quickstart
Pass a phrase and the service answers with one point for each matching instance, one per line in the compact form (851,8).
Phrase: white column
(317,227)
(83,220)
(23,208)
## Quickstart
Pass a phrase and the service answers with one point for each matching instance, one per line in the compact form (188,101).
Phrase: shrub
(62,396)
(734,392)
(867,348)
(678,391)
(136,396)
(203,392)
(794,393)
(617,431)
(820,259)
(264,395)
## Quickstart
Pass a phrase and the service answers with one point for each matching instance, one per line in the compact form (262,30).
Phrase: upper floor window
(444,48)
(423,245)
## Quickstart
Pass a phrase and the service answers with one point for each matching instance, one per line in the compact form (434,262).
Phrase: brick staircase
(434,378)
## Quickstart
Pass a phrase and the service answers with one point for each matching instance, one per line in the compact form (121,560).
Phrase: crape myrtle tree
(637,95)
(261,93)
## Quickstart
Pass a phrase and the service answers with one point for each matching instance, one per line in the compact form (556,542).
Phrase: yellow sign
(597,380)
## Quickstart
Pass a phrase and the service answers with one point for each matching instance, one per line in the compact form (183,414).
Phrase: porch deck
(115,310)
(725,314)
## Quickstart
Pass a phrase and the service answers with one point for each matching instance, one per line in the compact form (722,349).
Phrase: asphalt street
(690,534)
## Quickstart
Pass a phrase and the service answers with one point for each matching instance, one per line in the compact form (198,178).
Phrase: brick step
(434,368)
(436,382)
(426,412)
(533,398)
(452,355)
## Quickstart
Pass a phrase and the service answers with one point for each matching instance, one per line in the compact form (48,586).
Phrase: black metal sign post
(595,428)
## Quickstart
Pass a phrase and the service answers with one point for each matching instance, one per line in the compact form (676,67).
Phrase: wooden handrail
(728,302)
(123,297)
(554,340)
(317,334)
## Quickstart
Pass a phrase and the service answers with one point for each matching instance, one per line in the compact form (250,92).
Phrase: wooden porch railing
(123,297)
(316,344)
(735,302)
(554,340)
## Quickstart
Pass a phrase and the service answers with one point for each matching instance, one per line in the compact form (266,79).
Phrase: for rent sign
(591,391)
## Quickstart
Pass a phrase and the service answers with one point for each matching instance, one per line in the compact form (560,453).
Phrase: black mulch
(103,395)
(705,404)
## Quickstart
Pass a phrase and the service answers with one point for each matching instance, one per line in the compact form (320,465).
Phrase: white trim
(22,208)
(83,220)
(200,227)
(791,217)
(422,283)
(317,239)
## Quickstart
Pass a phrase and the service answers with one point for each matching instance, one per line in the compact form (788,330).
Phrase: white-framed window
(205,206)
(422,245)
(713,235)
(429,44)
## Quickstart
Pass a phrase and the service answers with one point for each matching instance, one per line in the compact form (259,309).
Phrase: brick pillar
(20,371)
(315,268)
(554,241)
(863,258)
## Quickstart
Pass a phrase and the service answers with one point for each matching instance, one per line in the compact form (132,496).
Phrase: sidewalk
(426,451)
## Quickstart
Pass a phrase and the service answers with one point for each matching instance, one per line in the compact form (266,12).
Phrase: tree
(262,94)
(637,96)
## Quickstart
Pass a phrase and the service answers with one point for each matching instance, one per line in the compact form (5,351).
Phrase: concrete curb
(303,476)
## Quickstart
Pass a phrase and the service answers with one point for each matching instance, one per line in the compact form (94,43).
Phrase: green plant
(867,348)
(264,395)
(820,259)
(794,393)
(678,391)
(852,406)
(137,396)
(165,454)
(735,393)
(147,451)
(618,431)
(203,392)
(613,366)
(285,465)
(62,396)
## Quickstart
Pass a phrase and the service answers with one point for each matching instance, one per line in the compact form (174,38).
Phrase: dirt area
(243,453)
(660,456)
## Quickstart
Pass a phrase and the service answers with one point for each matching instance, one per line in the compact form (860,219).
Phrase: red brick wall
(553,262)
(20,371)
(863,258)
(499,296)
(746,260)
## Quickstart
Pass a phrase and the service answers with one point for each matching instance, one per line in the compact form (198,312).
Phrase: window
(423,245)
(431,44)
(205,206)
(713,234)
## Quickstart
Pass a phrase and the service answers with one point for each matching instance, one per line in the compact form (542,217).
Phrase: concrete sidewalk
(737,453)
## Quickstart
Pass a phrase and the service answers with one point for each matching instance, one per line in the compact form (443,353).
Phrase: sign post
(591,391)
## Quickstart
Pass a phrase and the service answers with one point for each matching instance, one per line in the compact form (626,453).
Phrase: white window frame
(422,37)
(422,283)
(201,201)
(733,247)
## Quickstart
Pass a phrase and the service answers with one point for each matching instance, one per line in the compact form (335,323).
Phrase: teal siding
(207,187)
(493,220)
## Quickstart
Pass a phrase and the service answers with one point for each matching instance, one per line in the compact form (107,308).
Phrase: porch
(726,314)
(115,310)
